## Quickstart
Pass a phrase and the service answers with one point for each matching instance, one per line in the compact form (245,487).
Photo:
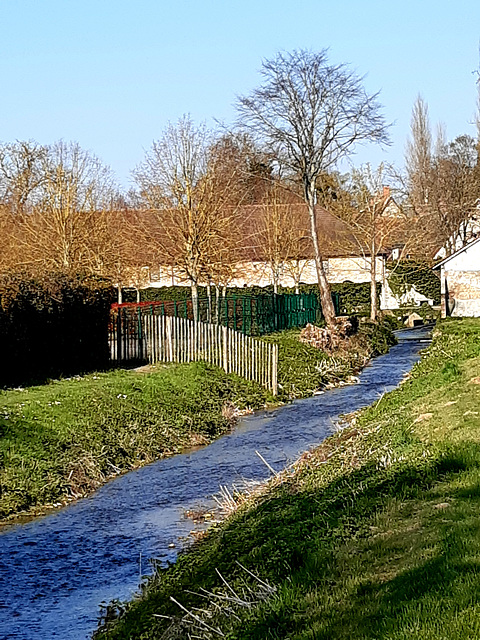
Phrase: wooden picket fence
(160,338)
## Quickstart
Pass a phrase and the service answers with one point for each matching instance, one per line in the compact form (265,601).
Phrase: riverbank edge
(206,404)
(336,535)
(300,376)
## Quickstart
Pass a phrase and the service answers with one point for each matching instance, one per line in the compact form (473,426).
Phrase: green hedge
(51,326)
(407,273)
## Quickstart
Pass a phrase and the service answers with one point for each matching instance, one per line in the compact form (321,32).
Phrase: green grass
(375,535)
(62,440)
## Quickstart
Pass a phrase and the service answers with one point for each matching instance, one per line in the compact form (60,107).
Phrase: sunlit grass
(375,536)
(62,440)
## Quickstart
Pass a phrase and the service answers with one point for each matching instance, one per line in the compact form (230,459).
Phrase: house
(388,205)
(460,281)
(345,258)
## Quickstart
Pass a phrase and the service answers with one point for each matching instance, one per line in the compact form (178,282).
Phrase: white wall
(467,260)
(259,273)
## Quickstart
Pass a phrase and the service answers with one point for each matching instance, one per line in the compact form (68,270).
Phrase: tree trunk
(296,277)
(119,294)
(328,309)
(217,304)
(373,283)
(224,295)
(209,302)
(373,296)
(194,288)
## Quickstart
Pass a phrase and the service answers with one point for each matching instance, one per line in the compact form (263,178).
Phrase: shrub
(52,325)
(408,273)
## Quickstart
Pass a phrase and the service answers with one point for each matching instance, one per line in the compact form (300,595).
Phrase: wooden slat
(173,339)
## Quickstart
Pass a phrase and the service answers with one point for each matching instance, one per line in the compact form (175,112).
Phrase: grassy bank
(62,440)
(374,535)
(302,368)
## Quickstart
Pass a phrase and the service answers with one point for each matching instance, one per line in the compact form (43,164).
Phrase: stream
(56,570)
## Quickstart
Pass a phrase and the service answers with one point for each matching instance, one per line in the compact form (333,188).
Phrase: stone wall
(460,293)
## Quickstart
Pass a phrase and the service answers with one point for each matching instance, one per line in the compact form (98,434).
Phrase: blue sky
(111,74)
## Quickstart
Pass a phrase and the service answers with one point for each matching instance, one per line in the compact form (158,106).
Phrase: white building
(460,281)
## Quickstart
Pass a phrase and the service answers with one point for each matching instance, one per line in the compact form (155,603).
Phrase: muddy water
(55,571)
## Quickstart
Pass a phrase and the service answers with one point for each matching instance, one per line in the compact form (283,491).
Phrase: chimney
(386,193)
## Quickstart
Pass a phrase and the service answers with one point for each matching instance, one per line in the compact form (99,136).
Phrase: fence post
(275,370)
(119,335)
(225,349)
(140,334)
(168,323)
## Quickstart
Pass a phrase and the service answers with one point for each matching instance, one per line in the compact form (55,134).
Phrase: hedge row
(52,326)
(403,275)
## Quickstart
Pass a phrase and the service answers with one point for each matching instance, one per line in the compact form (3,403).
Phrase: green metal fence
(252,315)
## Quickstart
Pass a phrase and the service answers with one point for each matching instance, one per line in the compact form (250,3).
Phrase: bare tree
(189,196)
(373,227)
(237,154)
(67,229)
(442,183)
(279,233)
(310,114)
(21,174)
(418,156)
(456,192)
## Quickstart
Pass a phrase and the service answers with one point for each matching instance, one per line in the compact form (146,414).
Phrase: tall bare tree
(442,183)
(310,114)
(418,156)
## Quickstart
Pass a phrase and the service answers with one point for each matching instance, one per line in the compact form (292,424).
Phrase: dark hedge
(402,275)
(52,326)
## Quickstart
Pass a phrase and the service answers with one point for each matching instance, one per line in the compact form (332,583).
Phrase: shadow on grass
(335,578)
(407,580)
